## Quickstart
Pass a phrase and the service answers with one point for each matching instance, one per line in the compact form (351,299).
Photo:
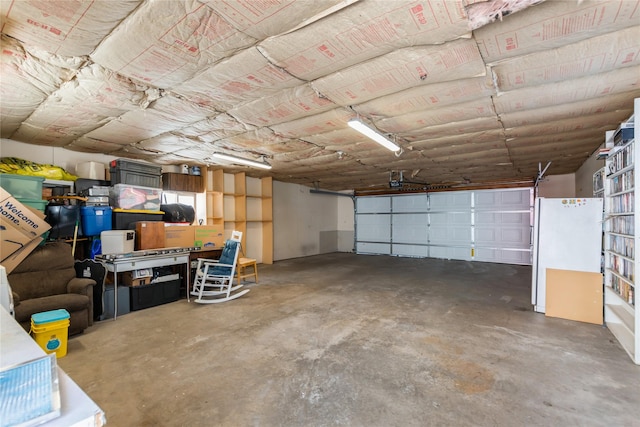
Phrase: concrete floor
(342,339)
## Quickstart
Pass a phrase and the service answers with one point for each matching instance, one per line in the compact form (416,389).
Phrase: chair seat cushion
(70,302)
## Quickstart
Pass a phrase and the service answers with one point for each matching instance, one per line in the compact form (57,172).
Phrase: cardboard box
(4,194)
(11,239)
(178,236)
(30,221)
(129,279)
(186,236)
(13,260)
(150,235)
(208,236)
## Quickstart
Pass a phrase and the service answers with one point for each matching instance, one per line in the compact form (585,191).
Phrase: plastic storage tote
(22,186)
(135,173)
(117,241)
(125,196)
(50,329)
(39,204)
(124,219)
(95,219)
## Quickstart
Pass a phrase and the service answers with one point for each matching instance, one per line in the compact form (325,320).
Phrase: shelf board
(620,276)
(620,171)
(629,236)
(620,193)
(624,336)
(621,315)
(619,255)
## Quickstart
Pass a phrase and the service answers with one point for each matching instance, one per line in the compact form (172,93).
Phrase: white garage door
(482,225)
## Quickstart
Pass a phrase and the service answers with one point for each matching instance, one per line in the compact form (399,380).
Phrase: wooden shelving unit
(242,203)
(267,220)
(215,198)
(622,235)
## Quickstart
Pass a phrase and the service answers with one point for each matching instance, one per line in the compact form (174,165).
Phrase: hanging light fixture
(234,159)
(373,134)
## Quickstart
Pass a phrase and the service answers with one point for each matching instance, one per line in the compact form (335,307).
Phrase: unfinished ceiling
(472,90)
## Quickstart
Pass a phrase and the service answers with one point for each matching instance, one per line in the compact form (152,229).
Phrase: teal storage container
(22,186)
(34,203)
(50,316)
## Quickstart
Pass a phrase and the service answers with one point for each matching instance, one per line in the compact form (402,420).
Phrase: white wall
(56,156)
(309,224)
(346,237)
(558,186)
(584,175)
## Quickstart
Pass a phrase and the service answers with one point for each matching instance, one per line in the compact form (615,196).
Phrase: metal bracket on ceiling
(541,173)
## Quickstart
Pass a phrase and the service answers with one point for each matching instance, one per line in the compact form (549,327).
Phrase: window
(196,200)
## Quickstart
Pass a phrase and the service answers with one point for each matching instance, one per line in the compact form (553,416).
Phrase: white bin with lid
(117,241)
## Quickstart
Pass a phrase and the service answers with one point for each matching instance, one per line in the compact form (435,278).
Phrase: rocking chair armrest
(218,264)
(207,260)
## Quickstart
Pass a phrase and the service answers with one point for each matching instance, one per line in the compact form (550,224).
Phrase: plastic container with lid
(50,330)
(22,186)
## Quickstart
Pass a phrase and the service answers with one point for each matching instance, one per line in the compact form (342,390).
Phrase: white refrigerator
(567,235)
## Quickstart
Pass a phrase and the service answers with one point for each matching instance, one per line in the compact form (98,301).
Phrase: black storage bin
(125,219)
(83,185)
(154,294)
(135,173)
(62,219)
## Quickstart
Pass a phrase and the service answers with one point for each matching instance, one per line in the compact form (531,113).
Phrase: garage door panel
(450,235)
(373,204)
(511,237)
(374,228)
(455,200)
(373,248)
(497,200)
(410,250)
(451,218)
(486,235)
(450,253)
(450,228)
(500,218)
(410,228)
(411,203)
(503,229)
(497,223)
(504,256)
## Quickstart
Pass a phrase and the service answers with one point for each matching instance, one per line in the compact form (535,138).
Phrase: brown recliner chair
(46,280)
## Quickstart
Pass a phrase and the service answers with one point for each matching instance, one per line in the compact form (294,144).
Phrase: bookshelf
(622,233)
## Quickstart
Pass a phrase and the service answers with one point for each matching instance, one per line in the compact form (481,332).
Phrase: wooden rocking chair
(213,282)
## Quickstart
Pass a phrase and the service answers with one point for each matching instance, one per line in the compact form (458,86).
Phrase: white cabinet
(622,231)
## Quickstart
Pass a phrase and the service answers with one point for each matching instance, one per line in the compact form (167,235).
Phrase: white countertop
(17,347)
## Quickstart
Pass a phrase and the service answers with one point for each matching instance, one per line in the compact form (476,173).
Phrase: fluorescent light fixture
(373,134)
(234,159)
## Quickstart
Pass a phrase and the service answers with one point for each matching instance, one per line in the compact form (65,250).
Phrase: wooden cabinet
(238,202)
(183,182)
